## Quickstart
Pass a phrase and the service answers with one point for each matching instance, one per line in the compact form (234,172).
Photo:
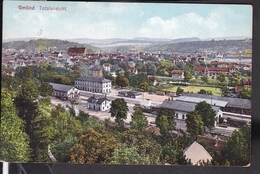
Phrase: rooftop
(196,153)
(60,87)
(182,105)
(92,79)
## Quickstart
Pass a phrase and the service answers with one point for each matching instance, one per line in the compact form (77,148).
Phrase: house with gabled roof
(77,51)
(153,129)
(99,103)
(9,72)
(215,142)
(197,154)
(177,74)
(106,67)
(64,91)
(131,69)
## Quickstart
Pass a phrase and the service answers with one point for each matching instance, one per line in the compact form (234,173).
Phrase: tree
(60,150)
(62,79)
(179,90)
(235,82)
(51,127)
(25,73)
(246,132)
(205,79)
(139,120)
(119,110)
(189,67)
(207,114)
(209,92)
(202,91)
(194,123)
(170,118)
(151,69)
(187,76)
(144,143)
(27,105)
(121,73)
(163,125)
(246,93)
(45,89)
(93,147)
(127,155)
(144,86)
(172,153)
(82,116)
(122,81)
(222,77)
(237,74)
(14,142)
(236,151)
(6,81)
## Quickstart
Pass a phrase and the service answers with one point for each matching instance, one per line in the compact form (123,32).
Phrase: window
(176,115)
(183,116)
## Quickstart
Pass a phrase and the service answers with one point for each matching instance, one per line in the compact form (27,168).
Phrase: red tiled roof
(202,68)
(106,64)
(8,71)
(132,69)
(153,129)
(246,82)
(76,50)
(216,143)
(239,88)
(177,71)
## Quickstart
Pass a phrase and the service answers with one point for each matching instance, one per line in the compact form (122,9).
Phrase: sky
(101,20)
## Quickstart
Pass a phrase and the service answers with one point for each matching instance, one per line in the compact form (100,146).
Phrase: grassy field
(195,89)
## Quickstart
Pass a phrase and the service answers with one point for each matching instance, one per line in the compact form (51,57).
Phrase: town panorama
(140,101)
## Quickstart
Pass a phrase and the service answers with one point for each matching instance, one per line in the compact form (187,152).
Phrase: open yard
(194,89)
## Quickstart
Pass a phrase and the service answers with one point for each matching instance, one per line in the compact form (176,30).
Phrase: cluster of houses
(13,58)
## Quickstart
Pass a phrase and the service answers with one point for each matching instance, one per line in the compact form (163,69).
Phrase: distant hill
(140,43)
(220,46)
(46,44)
(192,39)
(138,40)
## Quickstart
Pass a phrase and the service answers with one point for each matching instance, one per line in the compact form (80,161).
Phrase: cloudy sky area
(99,20)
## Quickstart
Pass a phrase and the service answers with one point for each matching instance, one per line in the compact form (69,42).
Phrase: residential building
(99,103)
(64,91)
(131,69)
(215,142)
(153,129)
(177,74)
(196,153)
(93,84)
(153,80)
(106,67)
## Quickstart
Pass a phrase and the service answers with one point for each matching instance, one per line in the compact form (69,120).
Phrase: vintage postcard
(126,83)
